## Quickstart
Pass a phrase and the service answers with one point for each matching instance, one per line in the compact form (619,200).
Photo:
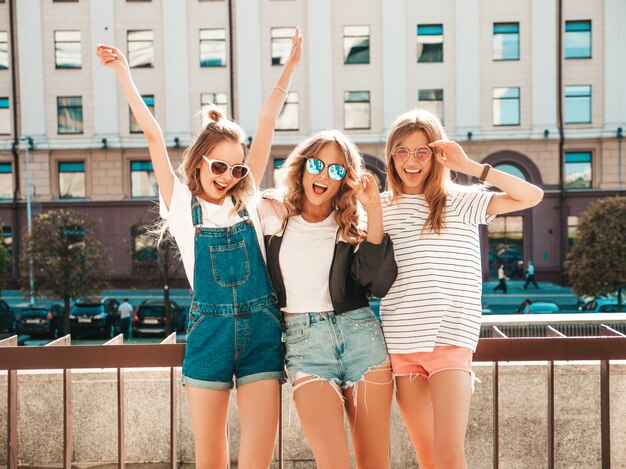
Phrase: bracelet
(279,88)
(483,176)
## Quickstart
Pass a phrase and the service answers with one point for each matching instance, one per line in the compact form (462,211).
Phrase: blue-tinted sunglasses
(335,171)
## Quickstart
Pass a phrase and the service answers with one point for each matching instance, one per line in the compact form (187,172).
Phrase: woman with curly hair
(324,266)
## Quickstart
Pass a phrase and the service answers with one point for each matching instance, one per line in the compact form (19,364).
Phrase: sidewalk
(508,303)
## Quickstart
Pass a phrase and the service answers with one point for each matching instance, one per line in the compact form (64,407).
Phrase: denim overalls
(234,325)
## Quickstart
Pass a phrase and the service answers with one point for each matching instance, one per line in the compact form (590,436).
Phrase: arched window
(512,170)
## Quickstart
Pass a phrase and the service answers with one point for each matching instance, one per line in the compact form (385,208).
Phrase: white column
(320,53)
(467,78)
(104,82)
(176,68)
(394,60)
(543,32)
(615,66)
(248,72)
(31,74)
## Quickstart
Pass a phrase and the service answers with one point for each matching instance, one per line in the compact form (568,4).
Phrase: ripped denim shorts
(340,348)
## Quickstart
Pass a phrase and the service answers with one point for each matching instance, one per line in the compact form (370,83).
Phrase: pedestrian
(234,325)
(431,315)
(125,311)
(324,266)
(530,276)
(521,309)
(502,278)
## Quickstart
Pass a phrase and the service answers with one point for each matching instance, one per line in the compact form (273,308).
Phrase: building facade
(505,77)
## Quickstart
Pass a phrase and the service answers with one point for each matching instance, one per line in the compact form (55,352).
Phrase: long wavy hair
(438,180)
(289,188)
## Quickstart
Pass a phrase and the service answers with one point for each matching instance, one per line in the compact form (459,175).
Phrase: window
(5,117)
(578,170)
(142,179)
(140,48)
(4,50)
(221,99)
(431,100)
(7,238)
(356,44)
(70,114)
(572,227)
(289,117)
(145,251)
(71,180)
(578,39)
(281,44)
(578,104)
(6,180)
(356,108)
(212,47)
(506,41)
(134,126)
(429,43)
(506,106)
(278,163)
(67,52)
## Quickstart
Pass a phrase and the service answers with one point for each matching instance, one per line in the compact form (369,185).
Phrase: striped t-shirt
(436,298)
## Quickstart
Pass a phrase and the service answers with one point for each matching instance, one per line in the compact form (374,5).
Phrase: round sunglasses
(401,154)
(335,171)
(219,167)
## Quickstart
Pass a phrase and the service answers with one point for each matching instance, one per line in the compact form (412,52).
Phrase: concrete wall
(523,419)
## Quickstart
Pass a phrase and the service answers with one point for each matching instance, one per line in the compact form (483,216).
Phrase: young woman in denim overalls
(234,325)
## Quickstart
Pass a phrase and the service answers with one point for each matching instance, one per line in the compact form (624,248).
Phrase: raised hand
(451,155)
(295,55)
(365,188)
(112,58)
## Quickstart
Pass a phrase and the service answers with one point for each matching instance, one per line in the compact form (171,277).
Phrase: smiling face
(216,187)
(320,189)
(413,173)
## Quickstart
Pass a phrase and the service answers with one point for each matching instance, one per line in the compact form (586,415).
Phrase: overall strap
(196,211)
(243,213)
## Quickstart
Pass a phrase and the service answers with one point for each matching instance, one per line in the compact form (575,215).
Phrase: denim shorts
(340,348)
(246,346)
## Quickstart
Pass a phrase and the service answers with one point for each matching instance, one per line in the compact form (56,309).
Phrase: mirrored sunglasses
(335,171)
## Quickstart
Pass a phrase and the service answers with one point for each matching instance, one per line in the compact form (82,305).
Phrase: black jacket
(355,272)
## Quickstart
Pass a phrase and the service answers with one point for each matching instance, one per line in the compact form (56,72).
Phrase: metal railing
(609,345)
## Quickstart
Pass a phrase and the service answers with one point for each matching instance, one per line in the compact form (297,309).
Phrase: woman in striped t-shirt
(431,315)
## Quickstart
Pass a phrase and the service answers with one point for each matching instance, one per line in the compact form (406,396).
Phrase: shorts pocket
(360,315)
(230,264)
(194,320)
(297,333)
(274,315)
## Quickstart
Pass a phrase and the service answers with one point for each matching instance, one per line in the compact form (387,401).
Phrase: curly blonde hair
(438,180)
(289,188)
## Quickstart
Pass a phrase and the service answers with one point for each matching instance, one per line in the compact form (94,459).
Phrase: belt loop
(308,320)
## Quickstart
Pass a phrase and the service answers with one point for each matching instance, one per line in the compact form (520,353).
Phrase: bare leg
(321,412)
(208,409)
(370,418)
(259,406)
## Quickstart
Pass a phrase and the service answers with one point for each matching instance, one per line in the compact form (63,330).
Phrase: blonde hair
(345,203)
(438,180)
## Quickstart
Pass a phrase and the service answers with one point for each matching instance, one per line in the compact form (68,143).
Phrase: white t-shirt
(180,221)
(436,298)
(306,255)
(125,309)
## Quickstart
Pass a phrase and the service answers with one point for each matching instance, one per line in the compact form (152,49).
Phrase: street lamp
(29,215)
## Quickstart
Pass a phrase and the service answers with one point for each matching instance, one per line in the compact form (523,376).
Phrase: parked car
(7,317)
(95,315)
(44,319)
(602,305)
(149,318)
(542,308)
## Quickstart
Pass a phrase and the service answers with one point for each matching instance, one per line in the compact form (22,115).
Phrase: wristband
(279,88)
(483,176)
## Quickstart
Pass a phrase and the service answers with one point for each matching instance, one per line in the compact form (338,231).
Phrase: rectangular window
(5,117)
(431,100)
(7,238)
(67,52)
(578,39)
(72,180)
(572,228)
(212,47)
(356,44)
(356,108)
(505,41)
(429,43)
(221,99)
(506,106)
(69,115)
(140,48)
(577,170)
(289,117)
(142,179)
(578,104)
(281,44)
(4,50)
(6,180)
(134,126)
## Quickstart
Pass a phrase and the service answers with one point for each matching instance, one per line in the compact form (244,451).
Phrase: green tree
(597,263)
(68,259)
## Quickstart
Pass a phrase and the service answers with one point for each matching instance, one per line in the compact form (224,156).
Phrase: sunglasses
(335,171)
(401,154)
(219,167)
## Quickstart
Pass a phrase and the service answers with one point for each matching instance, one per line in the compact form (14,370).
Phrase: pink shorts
(426,364)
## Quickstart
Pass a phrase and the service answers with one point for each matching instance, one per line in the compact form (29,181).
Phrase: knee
(453,458)
(367,460)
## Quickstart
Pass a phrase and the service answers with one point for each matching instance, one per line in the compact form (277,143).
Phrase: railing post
(171,339)
(121,408)
(11,408)
(551,332)
(496,333)
(68,441)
